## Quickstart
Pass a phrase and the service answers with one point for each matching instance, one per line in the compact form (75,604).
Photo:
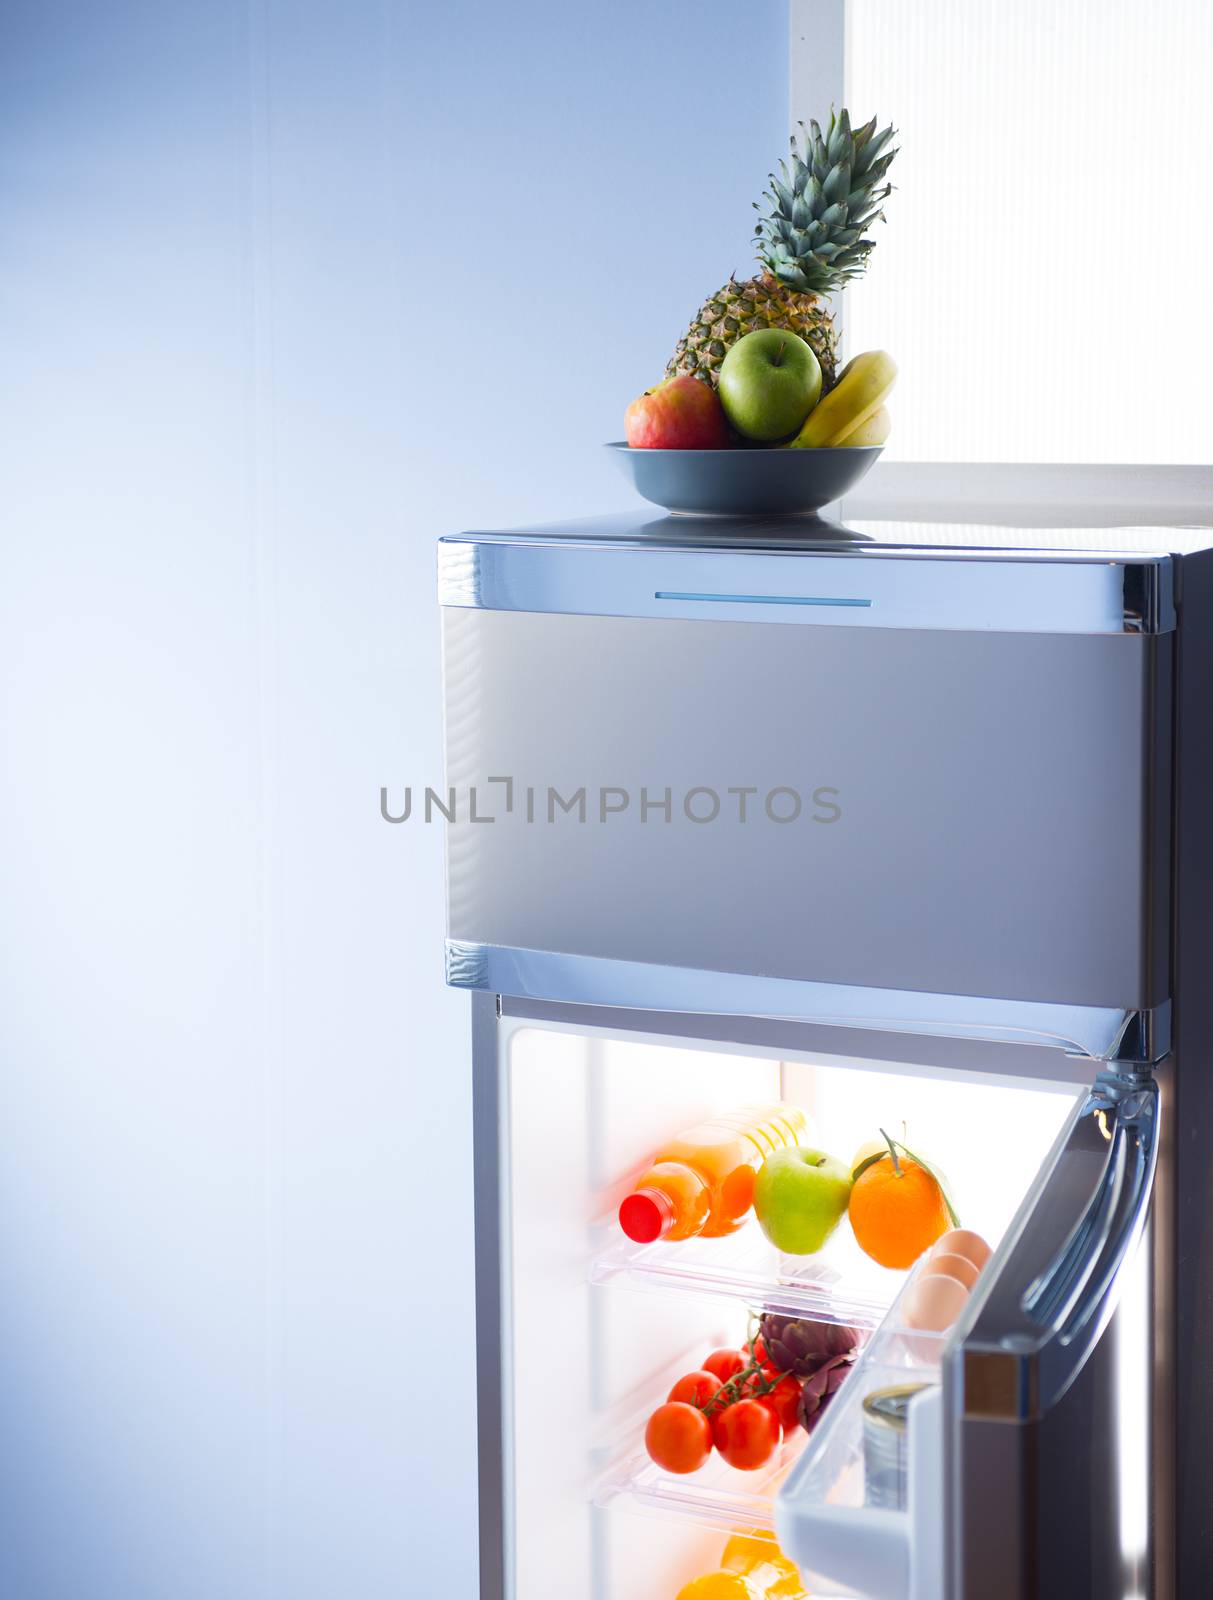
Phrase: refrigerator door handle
(1074,1296)
(1024,1346)
(1046,1419)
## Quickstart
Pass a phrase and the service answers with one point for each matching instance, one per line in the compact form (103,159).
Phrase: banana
(862,388)
(874,431)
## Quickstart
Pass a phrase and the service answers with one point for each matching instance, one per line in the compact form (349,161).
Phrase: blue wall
(286,290)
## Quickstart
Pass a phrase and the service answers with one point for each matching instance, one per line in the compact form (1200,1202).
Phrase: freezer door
(1048,1383)
(810,787)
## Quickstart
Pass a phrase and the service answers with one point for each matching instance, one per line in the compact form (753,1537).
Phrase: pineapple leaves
(838,142)
(828,191)
(869,152)
(782,194)
(838,183)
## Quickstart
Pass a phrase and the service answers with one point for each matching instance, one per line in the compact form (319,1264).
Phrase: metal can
(886,1445)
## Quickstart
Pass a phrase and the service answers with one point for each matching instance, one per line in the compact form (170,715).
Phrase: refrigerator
(908,825)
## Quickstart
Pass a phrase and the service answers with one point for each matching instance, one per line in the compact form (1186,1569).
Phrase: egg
(963,1242)
(934,1302)
(950,1265)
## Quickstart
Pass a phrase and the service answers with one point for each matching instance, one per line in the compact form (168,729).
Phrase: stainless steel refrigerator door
(932,815)
(1050,1420)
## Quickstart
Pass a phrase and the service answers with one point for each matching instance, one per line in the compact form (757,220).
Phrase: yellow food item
(753,1568)
(873,1147)
(719,1586)
(863,386)
(874,431)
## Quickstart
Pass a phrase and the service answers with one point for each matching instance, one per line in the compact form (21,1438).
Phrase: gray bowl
(743,482)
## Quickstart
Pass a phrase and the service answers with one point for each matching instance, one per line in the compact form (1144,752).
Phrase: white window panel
(1044,276)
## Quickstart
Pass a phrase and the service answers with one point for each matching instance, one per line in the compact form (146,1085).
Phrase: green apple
(769,382)
(801,1196)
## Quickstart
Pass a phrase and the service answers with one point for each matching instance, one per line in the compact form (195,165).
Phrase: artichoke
(817,1392)
(801,1344)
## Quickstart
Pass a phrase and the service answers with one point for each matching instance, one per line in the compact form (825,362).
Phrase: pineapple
(810,243)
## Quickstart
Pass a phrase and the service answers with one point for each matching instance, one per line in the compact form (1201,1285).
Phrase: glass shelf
(718,1496)
(838,1284)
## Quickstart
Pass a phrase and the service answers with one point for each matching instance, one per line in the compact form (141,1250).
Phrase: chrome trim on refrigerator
(1145,1038)
(491,1293)
(845,584)
(1093,1031)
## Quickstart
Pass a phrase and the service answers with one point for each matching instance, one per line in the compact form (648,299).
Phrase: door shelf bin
(838,1284)
(823,1519)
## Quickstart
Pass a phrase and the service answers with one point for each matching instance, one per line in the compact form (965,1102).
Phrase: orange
(896,1216)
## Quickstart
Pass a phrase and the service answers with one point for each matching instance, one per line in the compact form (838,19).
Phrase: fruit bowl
(743,482)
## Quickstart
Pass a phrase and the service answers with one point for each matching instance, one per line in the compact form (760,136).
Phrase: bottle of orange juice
(752,1568)
(703,1181)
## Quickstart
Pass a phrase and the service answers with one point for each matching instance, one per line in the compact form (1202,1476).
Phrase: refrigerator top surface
(888,574)
(860,537)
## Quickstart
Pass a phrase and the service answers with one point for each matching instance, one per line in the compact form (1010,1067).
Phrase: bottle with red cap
(702,1182)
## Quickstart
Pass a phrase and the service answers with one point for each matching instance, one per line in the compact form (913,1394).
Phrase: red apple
(680,414)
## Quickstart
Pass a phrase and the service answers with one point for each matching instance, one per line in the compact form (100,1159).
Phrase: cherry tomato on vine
(746,1434)
(678,1437)
(696,1388)
(724,1364)
(767,1402)
(785,1397)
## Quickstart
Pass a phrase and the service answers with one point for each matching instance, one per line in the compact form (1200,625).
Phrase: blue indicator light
(761,599)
